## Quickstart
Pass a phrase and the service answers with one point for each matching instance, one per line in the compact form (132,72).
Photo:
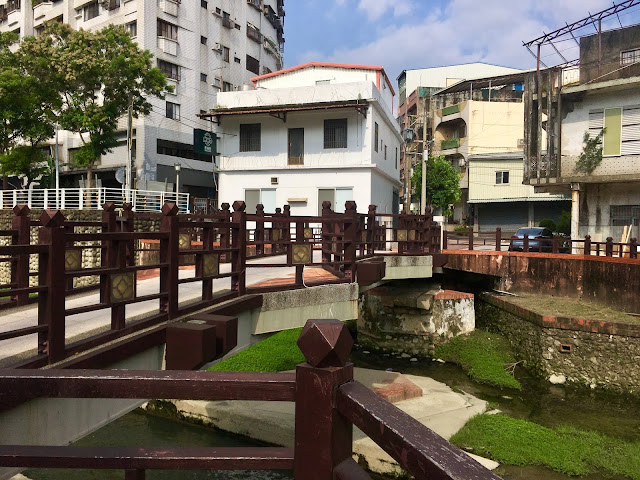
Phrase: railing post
(258,235)
(326,233)
(169,256)
(21,222)
(609,247)
(323,437)
(633,248)
(286,233)
(470,233)
(127,225)
(239,244)
(207,246)
(225,237)
(444,239)
(371,229)
(498,239)
(107,248)
(525,243)
(554,245)
(351,239)
(587,245)
(51,303)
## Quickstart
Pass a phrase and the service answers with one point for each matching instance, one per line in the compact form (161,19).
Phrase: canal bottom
(540,402)
(141,429)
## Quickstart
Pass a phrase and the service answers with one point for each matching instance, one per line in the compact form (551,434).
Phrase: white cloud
(375,9)
(462,31)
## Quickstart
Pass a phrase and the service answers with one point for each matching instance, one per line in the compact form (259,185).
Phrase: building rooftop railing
(92,199)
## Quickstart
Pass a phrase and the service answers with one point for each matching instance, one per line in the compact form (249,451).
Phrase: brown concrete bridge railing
(495,240)
(349,245)
(328,403)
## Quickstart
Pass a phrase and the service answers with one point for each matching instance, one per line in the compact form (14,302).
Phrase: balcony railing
(253,33)
(450,143)
(451,110)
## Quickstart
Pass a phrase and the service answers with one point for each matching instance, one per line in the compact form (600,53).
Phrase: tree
(591,155)
(443,183)
(98,75)
(26,110)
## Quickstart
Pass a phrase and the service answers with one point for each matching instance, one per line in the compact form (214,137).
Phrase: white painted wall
(309,76)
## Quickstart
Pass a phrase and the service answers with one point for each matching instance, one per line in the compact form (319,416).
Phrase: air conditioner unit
(274,180)
(217,47)
(521,143)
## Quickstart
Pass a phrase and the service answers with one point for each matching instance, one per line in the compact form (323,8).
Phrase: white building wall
(445,76)
(576,123)
(311,75)
(299,188)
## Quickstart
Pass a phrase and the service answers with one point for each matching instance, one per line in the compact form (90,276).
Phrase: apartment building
(311,133)
(415,111)
(600,96)
(204,47)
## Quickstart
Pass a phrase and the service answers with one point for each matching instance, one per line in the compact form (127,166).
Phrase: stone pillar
(575,213)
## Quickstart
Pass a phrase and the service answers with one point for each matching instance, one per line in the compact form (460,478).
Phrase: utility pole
(128,172)
(57,169)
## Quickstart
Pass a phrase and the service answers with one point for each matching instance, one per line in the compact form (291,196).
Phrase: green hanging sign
(205,142)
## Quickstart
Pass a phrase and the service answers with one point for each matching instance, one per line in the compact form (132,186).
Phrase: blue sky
(403,34)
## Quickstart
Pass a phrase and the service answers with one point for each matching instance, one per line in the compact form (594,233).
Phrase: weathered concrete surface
(413,317)
(59,421)
(593,353)
(292,308)
(404,267)
(439,408)
(609,281)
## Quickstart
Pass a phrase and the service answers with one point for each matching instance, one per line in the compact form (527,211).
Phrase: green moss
(483,356)
(565,450)
(277,353)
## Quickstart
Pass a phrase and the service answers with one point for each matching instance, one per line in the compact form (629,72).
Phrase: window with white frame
(167,30)
(91,11)
(171,70)
(132,28)
(502,177)
(265,196)
(173,111)
(629,57)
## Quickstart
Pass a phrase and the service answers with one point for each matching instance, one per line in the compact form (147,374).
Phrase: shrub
(548,223)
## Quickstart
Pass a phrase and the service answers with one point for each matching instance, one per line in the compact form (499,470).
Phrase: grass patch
(483,356)
(277,353)
(572,308)
(566,450)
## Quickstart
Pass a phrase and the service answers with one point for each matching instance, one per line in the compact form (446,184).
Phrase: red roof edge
(326,64)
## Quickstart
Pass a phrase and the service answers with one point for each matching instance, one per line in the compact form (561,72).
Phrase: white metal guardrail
(92,199)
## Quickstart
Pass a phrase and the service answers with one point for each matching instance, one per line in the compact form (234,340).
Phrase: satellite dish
(120,173)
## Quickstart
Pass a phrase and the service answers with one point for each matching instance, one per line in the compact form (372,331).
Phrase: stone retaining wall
(587,352)
(412,319)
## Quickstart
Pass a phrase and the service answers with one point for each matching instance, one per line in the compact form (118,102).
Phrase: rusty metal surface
(185,385)
(161,458)
(418,449)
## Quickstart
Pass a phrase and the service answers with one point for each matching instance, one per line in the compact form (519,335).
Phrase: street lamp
(408,135)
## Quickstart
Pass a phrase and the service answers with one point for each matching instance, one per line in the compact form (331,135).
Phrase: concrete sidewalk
(79,326)
(439,408)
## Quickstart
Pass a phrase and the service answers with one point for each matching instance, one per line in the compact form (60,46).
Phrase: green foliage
(483,356)
(463,227)
(591,155)
(277,353)
(564,222)
(29,161)
(96,76)
(566,450)
(548,223)
(443,183)
(26,112)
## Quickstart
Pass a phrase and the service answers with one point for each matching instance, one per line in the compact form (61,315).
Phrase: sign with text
(204,142)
